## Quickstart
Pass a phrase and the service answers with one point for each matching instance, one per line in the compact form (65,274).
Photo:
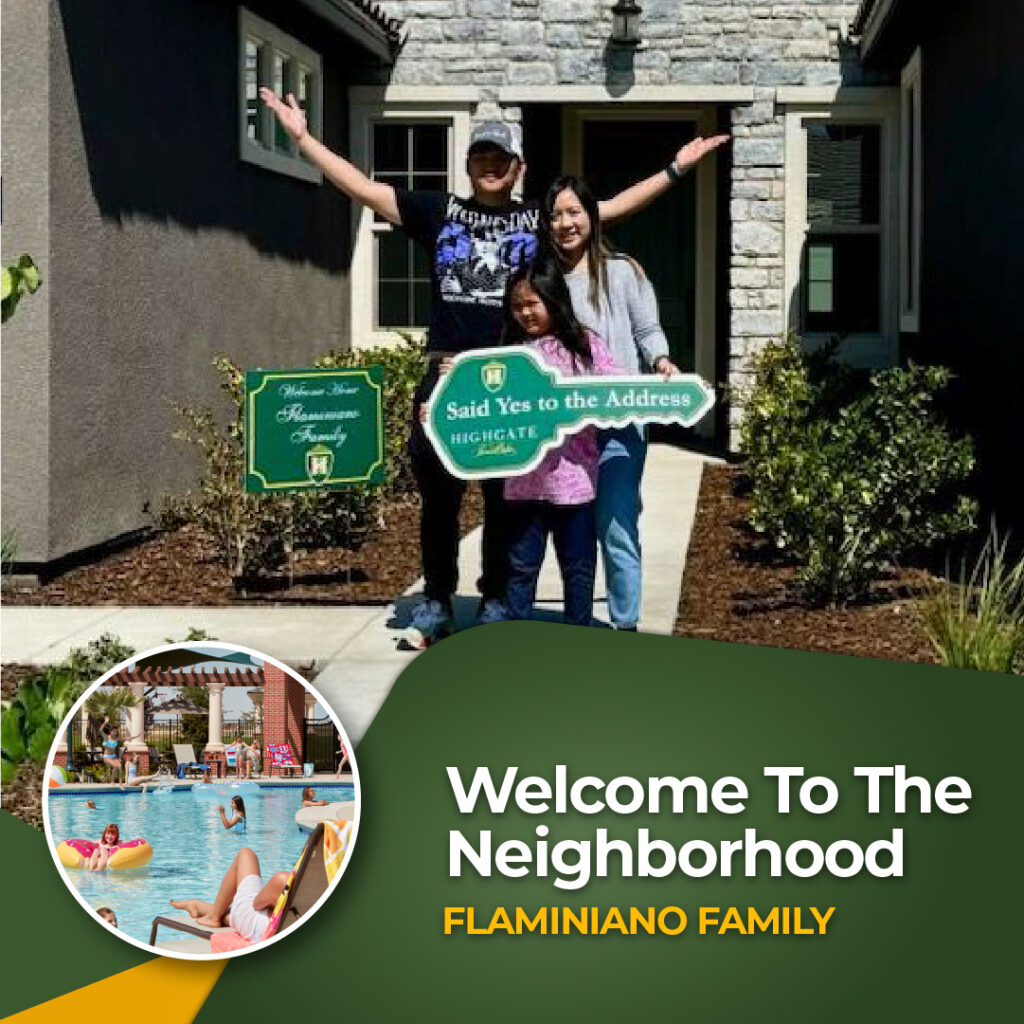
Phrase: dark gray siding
(973,226)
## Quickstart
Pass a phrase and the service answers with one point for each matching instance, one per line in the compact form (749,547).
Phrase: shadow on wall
(155,86)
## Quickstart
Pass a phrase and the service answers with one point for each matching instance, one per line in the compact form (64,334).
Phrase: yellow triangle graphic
(177,987)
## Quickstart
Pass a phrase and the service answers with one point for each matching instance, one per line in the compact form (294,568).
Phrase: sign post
(498,411)
(320,429)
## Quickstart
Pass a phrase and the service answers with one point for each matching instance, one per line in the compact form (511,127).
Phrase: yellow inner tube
(136,855)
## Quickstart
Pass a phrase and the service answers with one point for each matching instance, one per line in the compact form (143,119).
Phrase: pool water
(191,847)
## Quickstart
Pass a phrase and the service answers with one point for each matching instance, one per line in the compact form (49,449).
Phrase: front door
(662,238)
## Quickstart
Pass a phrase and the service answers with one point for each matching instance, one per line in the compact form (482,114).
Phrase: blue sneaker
(491,610)
(431,621)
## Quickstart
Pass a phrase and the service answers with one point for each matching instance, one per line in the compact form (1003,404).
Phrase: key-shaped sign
(499,410)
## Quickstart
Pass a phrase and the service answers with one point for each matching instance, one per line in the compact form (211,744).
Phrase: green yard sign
(313,428)
(497,411)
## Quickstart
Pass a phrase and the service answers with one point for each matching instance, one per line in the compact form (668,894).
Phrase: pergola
(282,699)
(137,679)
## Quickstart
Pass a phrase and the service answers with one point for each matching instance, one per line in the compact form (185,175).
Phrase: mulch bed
(24,799)
(180,567)
(735,590)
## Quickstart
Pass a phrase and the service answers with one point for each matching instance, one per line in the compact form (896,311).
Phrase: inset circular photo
(201,800)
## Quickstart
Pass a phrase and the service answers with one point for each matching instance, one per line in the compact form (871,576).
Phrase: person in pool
(307,798)
(90,805)
(237,820)
(243,901)
(108,915)
(104,848)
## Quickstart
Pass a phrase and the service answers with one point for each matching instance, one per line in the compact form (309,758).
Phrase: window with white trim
(408,155)
(842,247)
(842,271)
(910,194)
(272,58)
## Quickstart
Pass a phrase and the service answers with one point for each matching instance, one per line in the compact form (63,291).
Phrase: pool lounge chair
(187,763)
(280,756)
(307,884)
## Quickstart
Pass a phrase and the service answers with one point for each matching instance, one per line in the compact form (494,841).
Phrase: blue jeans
(623,453)
(573,531)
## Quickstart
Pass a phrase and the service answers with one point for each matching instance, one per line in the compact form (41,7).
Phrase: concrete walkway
(356,648)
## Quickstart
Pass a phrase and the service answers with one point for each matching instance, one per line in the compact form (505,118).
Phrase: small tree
(108,704)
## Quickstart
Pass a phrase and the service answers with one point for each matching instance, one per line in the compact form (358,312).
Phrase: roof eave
(870,20)
(357,26)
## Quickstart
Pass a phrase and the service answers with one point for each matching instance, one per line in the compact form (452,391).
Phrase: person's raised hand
(695,151)
(290,115)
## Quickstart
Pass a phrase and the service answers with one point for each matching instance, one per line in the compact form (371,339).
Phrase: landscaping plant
(847,474)
(977,620)
(260,532)
(15,281)
(30,721)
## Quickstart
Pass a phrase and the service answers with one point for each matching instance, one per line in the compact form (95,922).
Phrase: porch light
(626,23)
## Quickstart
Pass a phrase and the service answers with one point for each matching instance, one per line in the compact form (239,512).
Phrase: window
(842,263)
(407,155)
(842,250)
(408,136)
(910,194)
(270,57)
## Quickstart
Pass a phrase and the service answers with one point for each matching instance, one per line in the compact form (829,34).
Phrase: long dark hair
(239,805)
(545,278)
(599,250)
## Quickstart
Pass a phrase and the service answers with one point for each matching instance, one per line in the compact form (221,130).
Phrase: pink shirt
(567,475)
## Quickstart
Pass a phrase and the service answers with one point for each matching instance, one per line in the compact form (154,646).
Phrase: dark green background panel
(51,945)
(940,944)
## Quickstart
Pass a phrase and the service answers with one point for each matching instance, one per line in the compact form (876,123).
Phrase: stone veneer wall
(495,43)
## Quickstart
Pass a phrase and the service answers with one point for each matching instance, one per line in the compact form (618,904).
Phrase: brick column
(284,707)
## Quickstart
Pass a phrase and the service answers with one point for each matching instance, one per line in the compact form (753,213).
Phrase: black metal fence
(322,741)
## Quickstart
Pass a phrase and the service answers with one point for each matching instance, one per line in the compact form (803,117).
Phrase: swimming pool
(191,847)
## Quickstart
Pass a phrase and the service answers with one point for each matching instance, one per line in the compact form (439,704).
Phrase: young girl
(107,845)
(307,798)
(557,497)
(237,820)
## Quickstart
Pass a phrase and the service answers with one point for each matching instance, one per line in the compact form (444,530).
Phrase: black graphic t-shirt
(472,250)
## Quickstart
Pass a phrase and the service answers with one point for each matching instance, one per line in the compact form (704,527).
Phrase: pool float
(134,853)
(221,791)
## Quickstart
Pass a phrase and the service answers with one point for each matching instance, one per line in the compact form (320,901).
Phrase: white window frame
(368,106)
(910,195)
(290,163)
(876,349)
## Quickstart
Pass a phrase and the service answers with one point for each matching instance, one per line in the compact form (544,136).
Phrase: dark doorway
(661,238)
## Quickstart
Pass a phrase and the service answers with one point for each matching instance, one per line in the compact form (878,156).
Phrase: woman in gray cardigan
(613,297)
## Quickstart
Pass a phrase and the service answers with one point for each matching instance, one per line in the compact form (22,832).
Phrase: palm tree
(107,704)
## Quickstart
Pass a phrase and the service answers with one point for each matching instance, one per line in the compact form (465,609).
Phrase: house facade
(170,223)
(792,227)
(175,222)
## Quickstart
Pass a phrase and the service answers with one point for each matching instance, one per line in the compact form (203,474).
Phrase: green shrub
(31,719)
(260,532)
(977,621)
(848,474)
(15,281)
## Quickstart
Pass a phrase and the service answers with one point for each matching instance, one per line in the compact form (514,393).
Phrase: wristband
(673,172)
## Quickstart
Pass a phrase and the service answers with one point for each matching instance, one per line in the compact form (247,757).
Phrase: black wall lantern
(626,23)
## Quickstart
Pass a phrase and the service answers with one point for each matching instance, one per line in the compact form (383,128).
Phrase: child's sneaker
(491,610)
(431,621)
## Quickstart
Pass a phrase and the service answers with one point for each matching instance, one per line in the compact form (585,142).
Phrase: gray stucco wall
(25,348)
(165,249)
